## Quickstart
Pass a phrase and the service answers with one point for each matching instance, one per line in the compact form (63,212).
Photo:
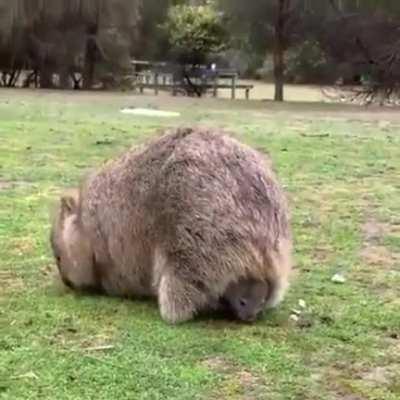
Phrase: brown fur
(180,219)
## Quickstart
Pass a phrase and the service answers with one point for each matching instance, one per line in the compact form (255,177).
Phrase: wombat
(180,219)
(245,299)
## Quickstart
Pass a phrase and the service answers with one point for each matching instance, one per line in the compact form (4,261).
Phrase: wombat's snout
(248,317)
(245,313)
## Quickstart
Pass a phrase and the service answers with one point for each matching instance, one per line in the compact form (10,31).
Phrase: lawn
(341,168)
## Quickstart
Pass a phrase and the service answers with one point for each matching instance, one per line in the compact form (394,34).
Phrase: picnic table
(191,80)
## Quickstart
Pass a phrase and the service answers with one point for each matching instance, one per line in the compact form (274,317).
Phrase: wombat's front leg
(178,300)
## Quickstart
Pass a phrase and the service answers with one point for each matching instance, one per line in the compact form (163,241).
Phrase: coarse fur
(179,219)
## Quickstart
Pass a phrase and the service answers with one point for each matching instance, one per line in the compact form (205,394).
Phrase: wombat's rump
(179,219)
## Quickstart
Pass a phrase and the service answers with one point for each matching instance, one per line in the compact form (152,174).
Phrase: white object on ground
(302,303)
(294,318)
(338,278)
(148,112)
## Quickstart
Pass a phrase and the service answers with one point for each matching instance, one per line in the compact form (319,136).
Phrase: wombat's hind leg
(177,300)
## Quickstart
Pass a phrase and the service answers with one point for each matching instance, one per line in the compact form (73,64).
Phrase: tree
(275,26)
(154,42)
(367,41)
(66,35)
(194,33)
(266,26)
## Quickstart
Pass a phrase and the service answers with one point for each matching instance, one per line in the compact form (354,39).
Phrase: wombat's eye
(242,302)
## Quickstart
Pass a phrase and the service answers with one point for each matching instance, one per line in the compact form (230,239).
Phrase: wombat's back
(195,203)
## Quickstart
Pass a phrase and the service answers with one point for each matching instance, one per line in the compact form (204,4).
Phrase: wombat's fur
(180,219)
(246,298)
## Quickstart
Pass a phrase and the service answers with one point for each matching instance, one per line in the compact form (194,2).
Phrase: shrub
(307,64)
(195,33)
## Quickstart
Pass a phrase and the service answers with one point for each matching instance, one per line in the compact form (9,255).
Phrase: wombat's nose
(249,318)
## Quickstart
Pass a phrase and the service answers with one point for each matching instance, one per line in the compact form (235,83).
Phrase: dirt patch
(340,395)
(4,185)
(338,387)
(379,376)
(248,380)
(351,382)
(373,252)
(322,254)
(374,231)
(22,246)
(380,256)
(237,384)
(219,365)
(9,282)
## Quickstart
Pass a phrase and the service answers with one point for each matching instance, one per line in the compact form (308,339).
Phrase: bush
(195,33)
(307,64)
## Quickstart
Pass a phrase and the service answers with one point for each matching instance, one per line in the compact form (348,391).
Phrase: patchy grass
(341,168)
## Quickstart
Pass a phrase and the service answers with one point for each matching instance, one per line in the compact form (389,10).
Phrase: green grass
(341,169)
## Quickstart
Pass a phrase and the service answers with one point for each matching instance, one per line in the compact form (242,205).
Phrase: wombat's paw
(174,301)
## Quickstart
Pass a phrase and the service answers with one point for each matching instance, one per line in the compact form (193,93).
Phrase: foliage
(195,32)
(252,25)
(153,44)
(368,46)
(65,36)
(271,26)
(307,63)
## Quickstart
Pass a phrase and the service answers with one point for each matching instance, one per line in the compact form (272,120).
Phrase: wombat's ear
(69,204)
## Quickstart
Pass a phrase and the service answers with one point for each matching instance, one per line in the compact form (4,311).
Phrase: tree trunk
(88,72)
(14,77)
(279,48)
(65,81)
(90,57)
(279,71)
(46,78)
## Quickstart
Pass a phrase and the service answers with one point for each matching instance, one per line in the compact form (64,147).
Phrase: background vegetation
(81,43)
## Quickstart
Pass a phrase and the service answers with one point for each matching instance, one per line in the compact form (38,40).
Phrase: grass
(340,166)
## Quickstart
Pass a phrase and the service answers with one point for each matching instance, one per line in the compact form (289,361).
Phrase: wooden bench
(152,81)
(240,86)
